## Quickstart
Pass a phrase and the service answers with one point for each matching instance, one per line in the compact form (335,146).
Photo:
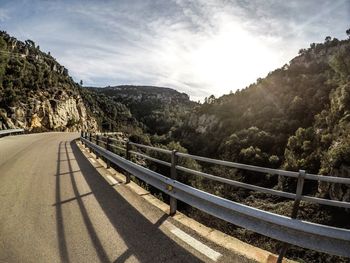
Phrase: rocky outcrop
(204,123)
(60,113)
(339,192)
(37,93)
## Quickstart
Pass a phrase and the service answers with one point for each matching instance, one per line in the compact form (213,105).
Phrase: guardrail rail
(289,230)
(10,132)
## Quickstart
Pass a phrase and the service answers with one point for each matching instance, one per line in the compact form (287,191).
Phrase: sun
(231,59)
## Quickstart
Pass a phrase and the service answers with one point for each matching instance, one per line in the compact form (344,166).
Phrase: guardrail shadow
(144,240)
(62,244)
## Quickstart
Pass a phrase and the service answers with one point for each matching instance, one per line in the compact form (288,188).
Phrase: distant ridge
(139,89)
(137,93)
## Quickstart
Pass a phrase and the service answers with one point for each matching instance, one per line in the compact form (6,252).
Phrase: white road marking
(92,160)
(112,180)
(204,249)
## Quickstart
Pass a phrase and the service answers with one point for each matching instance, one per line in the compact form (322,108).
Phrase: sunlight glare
(232,59)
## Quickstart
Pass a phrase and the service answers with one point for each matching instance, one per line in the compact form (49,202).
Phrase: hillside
(142,93)
(296,118)
(36,92)
(157,109)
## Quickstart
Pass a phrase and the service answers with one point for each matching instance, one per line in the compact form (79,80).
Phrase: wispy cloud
(201,47)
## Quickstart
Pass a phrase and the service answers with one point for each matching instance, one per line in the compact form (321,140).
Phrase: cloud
(200,47)
(3,14)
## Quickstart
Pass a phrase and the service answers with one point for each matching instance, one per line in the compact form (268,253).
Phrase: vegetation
(25,70)
(297,117)
(158,110)
(110,114)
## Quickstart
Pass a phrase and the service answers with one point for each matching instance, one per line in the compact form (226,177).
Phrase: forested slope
(158,110)
(295,118)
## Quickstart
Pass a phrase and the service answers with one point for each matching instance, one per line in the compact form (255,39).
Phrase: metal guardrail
(11,131)
(290,230)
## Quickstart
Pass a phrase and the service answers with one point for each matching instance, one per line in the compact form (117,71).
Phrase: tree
(302,51)
(348,32)
(211,99)
(81,82)
(186,162)
(3,58)
(30,43)
(340,62)
(302,151)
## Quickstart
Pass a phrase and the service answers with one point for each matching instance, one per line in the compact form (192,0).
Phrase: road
(54,207)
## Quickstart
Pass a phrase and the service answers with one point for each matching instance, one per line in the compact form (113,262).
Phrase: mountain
(36,92)
(157,109)
(131,93)
(297,117)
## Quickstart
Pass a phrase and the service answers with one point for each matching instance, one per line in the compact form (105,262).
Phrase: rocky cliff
(36,92)
(68,113)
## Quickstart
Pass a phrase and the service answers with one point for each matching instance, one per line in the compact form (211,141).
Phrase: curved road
(54,207)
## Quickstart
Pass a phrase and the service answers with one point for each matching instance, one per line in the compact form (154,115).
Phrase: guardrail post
(108,141)
(97,137)
(90,139)
(298,194)
(81,136)
(173,175)
(127,155)
(127,152)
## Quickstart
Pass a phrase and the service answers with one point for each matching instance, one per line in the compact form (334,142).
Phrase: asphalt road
(54,207)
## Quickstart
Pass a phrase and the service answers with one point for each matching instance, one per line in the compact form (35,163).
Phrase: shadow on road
(144,240)
(62,244)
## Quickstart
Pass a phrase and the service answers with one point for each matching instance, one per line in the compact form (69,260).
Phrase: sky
(200,47)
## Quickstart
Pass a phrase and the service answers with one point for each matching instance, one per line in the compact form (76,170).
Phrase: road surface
(54,207)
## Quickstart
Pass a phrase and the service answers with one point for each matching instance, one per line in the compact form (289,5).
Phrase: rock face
(339,192)
(37,93)
(63,113)
(204,123)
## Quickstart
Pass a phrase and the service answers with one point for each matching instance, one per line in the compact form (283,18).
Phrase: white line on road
(112,180)
(92,160)
(205,250)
